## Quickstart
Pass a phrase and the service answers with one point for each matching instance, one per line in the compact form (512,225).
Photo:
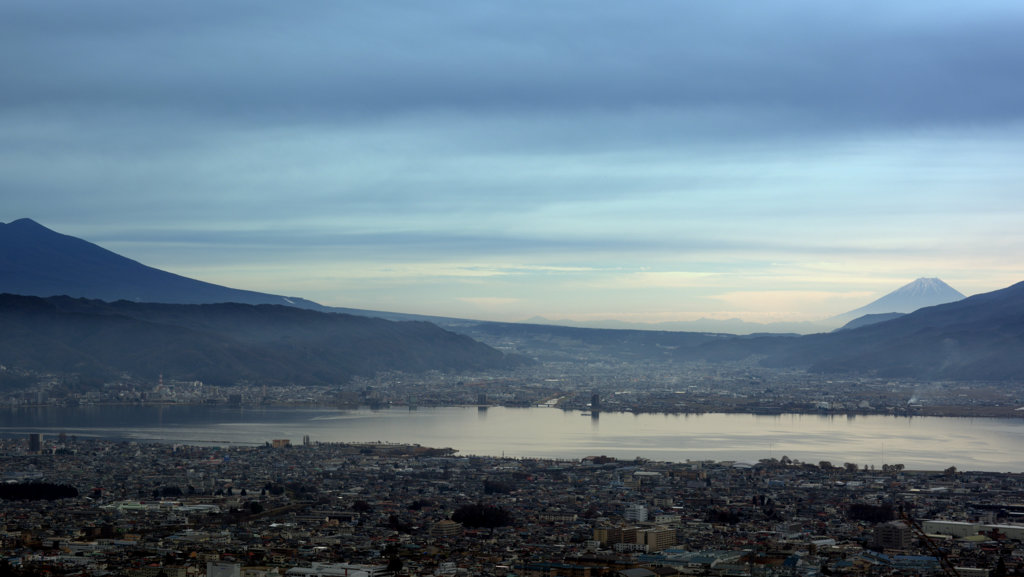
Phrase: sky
(642,161)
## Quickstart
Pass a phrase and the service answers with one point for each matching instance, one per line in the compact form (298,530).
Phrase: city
(291,507)
(620,387)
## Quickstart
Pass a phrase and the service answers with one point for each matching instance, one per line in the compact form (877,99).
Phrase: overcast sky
(644,161)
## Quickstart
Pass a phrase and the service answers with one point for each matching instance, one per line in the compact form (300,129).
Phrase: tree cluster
(494,486)
(722,516)
(481,515)
(36,491)
(419,504)
(870,513)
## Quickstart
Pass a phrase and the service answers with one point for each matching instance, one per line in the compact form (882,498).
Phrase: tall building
(656,539)
(446,528)
(636,513)
(35,442)
(609,536)
(893,535)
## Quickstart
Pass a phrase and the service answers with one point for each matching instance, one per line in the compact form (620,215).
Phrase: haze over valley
(531,289)
(189,330)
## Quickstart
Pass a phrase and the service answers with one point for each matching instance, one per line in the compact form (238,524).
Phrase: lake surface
(918,442)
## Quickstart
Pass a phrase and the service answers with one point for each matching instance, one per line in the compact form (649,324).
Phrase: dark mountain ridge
(223,343)
(37,261)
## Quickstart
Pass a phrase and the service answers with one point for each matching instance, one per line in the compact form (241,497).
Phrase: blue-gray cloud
(831,65)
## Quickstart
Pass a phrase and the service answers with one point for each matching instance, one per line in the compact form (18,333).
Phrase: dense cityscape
(299,507)
(304,508)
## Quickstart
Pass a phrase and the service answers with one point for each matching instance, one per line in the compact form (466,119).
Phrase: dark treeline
(870,513)
(36,491)
(479,515)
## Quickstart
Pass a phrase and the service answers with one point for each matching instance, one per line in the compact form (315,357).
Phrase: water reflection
(924,442)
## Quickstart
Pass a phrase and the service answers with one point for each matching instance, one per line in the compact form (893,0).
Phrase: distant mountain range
(981,337)
(923,292)
(976,338)
(702,325)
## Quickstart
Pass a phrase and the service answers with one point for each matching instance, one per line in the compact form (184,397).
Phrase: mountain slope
(223,343)
(869,319)
(923,292)
(977,338)
(37,261)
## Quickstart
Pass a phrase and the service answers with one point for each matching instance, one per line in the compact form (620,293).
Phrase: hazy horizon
(787,161)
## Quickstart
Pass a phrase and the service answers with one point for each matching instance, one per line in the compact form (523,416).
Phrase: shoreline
(938,411)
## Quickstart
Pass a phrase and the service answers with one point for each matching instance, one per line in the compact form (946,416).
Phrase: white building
(220,569)
(961,529)
(637,513)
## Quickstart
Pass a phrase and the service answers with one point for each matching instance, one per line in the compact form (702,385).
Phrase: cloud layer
(596,158)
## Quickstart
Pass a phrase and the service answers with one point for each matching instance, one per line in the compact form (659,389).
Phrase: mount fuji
(923,292)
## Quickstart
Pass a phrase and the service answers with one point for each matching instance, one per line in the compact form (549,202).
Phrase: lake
(917,442)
